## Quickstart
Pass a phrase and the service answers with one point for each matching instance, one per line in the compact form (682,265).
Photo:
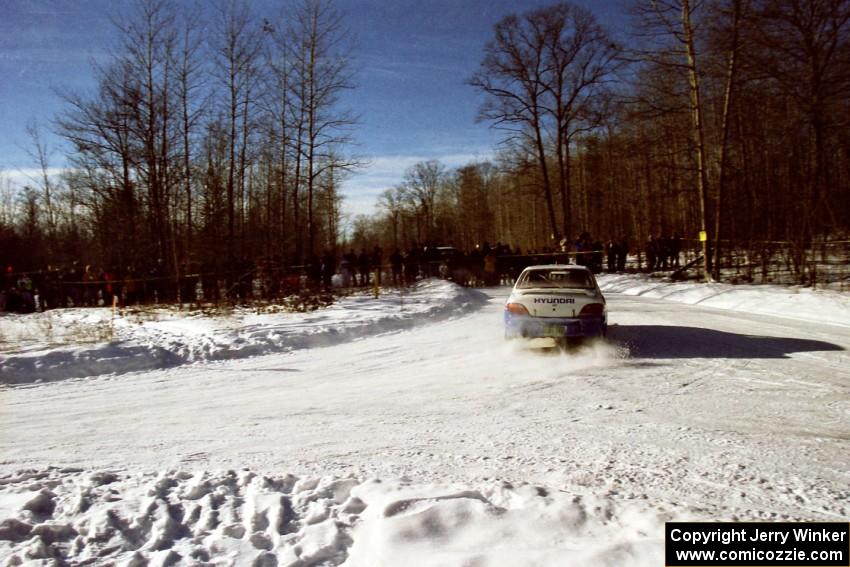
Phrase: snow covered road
(686,412)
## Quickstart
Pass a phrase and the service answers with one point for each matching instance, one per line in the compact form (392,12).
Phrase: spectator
(651,253)
(676,248)
(51,290)
(490,275)
(663,251)
(131,287)
(476,266)
(377,263)
(348,266)
(74,283)
(611,250)
(89,286)
(26,293)
(328,268)
(411,266)
(364,265)
(583,249)
(107,286)
(395,265)
(314,271)
(622,254)
(596,257)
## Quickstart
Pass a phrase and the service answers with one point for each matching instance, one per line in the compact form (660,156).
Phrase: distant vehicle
(448,259)
(561,302)
(447,251)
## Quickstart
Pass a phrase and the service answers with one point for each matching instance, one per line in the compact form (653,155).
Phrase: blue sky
(413,56)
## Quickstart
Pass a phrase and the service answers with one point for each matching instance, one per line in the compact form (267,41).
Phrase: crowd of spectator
(79,286)
(483,265)
(663,252)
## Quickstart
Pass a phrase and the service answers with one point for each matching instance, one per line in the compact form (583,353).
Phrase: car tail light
(592,309)
(516,309)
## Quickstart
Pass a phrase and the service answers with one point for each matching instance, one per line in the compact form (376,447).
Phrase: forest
(216,141)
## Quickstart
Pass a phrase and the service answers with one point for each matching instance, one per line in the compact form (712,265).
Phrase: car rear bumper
(526,326)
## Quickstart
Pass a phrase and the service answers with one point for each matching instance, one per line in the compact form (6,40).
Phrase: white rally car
(556,301)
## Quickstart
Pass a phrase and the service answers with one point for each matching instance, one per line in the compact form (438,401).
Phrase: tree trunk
(547,185)
(697,130)
(731,68)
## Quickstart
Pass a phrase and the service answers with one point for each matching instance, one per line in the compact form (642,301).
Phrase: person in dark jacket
(622,254)
(132,287)
(676,248)
(328,268)
(348,268)
(612,249)
(74,277)
(364,265)
(396,260)
(651,253)
(411,266)
(314,271)
(377,262)
(51,290)
(596,256)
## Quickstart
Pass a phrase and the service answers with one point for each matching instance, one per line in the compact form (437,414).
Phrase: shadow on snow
(661,341)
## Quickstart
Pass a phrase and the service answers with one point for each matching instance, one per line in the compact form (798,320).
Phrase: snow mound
(796,302)
(243,518)
(161,339)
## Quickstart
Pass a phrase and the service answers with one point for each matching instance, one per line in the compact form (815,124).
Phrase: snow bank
(820,306)
(160,339)
(242,518)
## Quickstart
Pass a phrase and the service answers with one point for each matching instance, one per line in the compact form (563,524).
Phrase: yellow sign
(703,236)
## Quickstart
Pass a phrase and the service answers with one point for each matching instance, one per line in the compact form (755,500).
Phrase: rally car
(562,302)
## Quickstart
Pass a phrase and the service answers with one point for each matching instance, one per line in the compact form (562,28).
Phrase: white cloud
(21,177)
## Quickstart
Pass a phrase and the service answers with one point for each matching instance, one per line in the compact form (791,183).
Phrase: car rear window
(555,278)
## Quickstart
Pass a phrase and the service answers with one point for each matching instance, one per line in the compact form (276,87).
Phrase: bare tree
(322,72)
(580,59)
(236,44)
(190,84)
(545,74)
(422,182)
(673,22)
(698,129)
(40,154)
(105,155)
(278,105)
(512,76)
(148,39)
(393,202)
(473,203)
(804,47)
(732,64)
